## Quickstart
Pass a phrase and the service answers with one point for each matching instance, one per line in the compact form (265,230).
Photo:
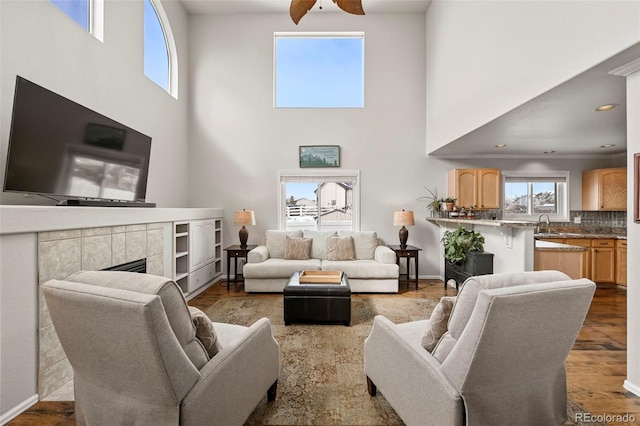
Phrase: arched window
(160,62)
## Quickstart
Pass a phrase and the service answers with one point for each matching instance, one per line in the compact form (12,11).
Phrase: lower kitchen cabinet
(621,262)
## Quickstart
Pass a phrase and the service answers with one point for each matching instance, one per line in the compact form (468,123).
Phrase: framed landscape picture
(320,156)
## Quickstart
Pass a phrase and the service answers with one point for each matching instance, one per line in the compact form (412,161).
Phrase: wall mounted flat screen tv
(58,148)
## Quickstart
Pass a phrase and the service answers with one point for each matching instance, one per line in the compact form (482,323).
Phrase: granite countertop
(592,235)
(549,246)
(486,222)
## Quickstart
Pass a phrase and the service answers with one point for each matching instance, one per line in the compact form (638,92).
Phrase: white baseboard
(634,389)
(18,409)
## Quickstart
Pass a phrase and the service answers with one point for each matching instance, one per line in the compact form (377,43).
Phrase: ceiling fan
(299,8)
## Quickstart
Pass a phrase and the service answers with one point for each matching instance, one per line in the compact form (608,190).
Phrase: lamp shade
(403,218)
(244,217)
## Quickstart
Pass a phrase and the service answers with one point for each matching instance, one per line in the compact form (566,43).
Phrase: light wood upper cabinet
(604,189)
(475,187)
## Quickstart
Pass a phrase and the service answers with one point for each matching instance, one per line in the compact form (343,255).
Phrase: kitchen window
(527,195)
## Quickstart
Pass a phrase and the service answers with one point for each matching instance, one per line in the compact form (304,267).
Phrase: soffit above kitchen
(561,123)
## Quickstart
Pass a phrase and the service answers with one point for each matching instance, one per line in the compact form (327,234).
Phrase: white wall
(487,57)
(239,141)
(42,44)
(633,234)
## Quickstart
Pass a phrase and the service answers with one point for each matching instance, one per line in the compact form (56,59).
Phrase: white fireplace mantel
(30,219)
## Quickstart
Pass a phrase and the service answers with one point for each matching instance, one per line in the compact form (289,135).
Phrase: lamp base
(244,236)
(404,235)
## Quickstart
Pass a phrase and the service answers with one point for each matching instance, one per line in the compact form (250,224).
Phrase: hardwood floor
(596,367)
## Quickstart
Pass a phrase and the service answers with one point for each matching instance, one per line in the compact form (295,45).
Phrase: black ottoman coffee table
(317,302)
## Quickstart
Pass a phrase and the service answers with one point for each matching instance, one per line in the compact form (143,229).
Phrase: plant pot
(449,206)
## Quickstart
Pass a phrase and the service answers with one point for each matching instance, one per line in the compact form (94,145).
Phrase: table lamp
(244,217)
(403,218)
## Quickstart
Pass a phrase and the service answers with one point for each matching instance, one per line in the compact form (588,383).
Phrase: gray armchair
(136,359)
(501,360)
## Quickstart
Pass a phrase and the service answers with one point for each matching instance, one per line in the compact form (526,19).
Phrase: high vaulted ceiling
(282,6)
(562,120)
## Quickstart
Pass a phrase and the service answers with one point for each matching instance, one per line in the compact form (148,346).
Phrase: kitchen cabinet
(603,261)
(621,262)
(475,187)
(604,189)
(600,259)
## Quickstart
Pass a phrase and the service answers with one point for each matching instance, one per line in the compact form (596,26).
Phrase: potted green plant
(457,243)
(434,203)
(449,202)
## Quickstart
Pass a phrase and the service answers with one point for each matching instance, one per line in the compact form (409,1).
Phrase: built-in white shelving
(197,254)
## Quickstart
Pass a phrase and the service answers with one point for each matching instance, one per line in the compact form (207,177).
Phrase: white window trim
(316,34)
(96,19)
(563,197)
(171,47)
(352,174)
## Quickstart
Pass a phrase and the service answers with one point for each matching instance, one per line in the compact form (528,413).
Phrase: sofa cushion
(297,248)
(205,332)
(364,242)
(362,269)
(341,249)
(437,324)
(319,246)
(276,240)
(279,268)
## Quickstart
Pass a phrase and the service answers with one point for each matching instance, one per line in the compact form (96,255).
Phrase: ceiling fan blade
(299,8)
(350,6)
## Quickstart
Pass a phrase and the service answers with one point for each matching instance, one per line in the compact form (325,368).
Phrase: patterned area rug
(321,375)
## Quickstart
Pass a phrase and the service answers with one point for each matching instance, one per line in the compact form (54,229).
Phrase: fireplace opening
(139,266)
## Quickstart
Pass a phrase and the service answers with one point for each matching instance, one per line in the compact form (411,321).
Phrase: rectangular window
(78,10)
(327,201)
(319,70)
(527,195)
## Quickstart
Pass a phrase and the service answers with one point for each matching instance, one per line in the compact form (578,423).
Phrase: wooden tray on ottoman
(320,277)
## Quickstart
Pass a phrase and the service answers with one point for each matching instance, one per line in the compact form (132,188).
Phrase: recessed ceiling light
(608,145)
(501,145)
(606,107)
(549,152)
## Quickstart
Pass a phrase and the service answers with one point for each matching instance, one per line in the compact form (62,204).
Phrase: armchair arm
(410,378)
(235,380)
(258,254)
(384,254)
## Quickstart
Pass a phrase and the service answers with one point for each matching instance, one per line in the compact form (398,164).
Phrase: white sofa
(374,269)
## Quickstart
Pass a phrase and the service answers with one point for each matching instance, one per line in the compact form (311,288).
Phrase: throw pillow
(437,324)
(275,241)
(205,332)
(341,249)
(297,248)
(365,243)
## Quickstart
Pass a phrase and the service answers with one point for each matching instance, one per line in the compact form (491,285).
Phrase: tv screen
(60,148)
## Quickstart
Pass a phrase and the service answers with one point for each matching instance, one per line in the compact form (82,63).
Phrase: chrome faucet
(548,222)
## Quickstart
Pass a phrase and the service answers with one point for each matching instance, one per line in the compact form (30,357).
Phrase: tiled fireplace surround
(62,253)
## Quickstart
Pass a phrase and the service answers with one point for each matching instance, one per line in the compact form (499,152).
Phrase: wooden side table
(236,251)
(408,252)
